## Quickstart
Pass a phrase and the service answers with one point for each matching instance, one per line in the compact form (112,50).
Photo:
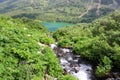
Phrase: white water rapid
(73,64)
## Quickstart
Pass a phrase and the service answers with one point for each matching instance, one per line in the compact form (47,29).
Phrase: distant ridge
(74,11)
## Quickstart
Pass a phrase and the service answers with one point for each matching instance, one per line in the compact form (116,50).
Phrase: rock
(65,72)
(53,46)
(69,58)
(55,78)
(71,63)
(77,56)
(116,75)
(88,70)
(59,54)
(65,50)
(48,77)
(76,69)
(76,60)
(110,79)
(63,61)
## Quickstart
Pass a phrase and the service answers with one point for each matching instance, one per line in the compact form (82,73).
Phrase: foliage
(104,67)
(54,10)
(66,37)
(53,67)
(68,77)
(98,42)
(66,43)
(21,58)
(46,40)
(19,54)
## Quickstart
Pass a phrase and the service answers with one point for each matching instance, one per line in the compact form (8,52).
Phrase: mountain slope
(22,54)
(98,42)
(59,10)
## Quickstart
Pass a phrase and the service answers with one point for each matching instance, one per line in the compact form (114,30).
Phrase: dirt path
(98,8)
(88,7)
(115,4)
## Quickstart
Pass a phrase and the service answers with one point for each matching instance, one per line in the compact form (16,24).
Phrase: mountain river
(73,64)
(78,67)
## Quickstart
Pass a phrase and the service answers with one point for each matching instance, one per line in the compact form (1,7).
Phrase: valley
(76,11)
(59,39)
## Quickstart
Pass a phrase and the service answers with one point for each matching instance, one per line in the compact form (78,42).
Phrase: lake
(53,26)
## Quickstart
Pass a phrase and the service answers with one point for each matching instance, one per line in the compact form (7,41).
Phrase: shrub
(68,77)
(53,67)
(46,40)
(104,67)
(66,43)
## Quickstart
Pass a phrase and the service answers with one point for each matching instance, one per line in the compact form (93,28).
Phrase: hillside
(98,42)
(23,54)
(74,11)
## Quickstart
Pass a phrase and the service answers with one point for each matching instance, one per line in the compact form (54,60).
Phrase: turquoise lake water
(53,26)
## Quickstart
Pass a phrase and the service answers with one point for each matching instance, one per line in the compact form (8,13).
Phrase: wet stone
(110,79)
(70,63)
(116,75)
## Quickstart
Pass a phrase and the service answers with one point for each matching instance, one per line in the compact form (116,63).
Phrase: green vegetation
(53,67)
(24,42)
(46,40)
(57,10)
(98,42)
(68,77)
(21,57)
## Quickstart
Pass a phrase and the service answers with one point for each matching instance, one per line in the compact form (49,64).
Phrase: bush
(20,54)
(68,77)
(98,42)
(19,58)
(65,43)
(46,40)
(104,67)
(53,67)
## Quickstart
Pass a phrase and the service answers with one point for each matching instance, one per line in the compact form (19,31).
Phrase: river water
(78,67)
(73,64)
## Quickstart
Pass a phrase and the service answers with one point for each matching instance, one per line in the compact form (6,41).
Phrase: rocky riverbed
(73,64)
(78,67)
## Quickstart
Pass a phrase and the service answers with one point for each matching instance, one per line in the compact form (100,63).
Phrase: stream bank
(78,67)
(74,64)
